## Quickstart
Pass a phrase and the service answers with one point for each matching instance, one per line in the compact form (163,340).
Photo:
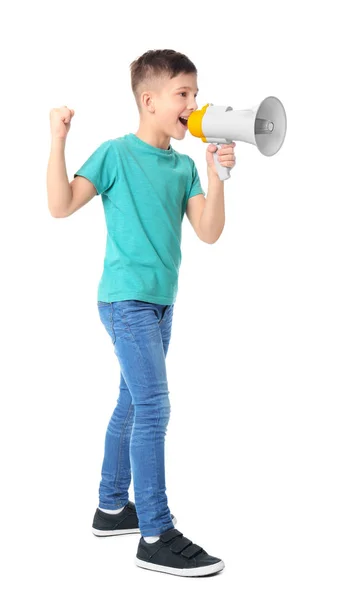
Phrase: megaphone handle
(223,172)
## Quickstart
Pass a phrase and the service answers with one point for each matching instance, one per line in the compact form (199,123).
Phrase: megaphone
(264,126)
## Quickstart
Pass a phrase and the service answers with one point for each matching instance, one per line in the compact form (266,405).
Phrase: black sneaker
(175,554)
(126,521)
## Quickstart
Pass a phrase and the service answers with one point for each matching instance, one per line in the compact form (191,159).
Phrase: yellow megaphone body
(264,126)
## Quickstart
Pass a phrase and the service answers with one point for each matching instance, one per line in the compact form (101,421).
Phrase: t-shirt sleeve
(194,186)
(100,168)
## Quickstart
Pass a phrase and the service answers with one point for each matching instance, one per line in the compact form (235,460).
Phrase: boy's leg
(116,468)
(139,349)
(116,472)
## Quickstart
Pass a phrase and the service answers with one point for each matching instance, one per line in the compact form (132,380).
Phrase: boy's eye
(185,93)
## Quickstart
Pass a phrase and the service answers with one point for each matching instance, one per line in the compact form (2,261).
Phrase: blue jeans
(140,332)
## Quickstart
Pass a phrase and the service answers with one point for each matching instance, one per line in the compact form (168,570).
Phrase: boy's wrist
(213,177)
(57,142)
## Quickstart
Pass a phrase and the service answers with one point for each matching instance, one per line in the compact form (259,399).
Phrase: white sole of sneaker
(198,572)
(101,533)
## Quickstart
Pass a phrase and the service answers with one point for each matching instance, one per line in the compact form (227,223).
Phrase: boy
(146,187)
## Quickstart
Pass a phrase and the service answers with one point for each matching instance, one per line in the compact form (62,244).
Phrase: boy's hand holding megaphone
(225,156)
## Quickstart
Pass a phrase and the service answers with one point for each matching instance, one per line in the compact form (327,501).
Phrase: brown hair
(158,63)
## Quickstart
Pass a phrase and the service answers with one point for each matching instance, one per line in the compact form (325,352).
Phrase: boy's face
(175,98)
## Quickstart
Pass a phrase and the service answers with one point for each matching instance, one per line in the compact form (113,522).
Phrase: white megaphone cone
(264,126)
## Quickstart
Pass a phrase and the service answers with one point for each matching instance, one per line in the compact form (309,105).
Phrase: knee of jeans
(165,412)
(153,415)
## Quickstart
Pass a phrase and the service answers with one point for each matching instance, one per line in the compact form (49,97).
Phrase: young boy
(146,187)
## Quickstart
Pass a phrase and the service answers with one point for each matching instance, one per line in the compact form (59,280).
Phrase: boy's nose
(193,105)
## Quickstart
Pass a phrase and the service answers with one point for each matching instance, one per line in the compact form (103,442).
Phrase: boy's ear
(147,101)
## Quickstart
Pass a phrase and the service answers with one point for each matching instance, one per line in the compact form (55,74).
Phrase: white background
(252,448)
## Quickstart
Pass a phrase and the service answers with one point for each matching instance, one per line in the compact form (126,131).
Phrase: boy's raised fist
(60,121)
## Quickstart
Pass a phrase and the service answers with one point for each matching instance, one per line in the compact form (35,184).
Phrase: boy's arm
(59,192)
(82,192)
(207,214)
(65,198)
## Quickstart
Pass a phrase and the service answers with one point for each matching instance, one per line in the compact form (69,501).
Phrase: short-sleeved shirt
(144,192)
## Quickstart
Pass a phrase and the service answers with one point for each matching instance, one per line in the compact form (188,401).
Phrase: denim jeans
(134,441)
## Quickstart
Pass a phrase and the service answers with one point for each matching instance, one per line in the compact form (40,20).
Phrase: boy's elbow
(209,240)
(56,215)
(212,240)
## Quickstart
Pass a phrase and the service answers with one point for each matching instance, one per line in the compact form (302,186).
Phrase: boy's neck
(154,138)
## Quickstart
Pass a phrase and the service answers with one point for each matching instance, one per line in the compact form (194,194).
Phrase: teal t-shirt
(144,191)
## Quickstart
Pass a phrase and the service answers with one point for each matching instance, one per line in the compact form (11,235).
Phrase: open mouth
(184,122)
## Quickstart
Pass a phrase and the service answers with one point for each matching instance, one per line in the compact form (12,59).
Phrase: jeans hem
(110,507)
(157,531)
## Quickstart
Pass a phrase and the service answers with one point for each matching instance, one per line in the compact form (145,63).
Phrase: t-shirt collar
(153,149)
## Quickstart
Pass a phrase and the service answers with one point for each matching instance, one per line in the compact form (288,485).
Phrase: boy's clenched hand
(225,155)
(60,121)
